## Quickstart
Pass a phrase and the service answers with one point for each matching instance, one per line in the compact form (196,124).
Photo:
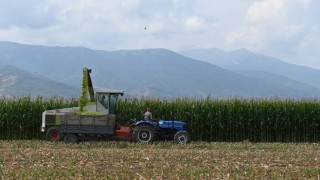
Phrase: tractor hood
(178,125)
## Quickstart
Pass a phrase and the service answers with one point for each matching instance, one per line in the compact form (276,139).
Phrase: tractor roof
(110,91)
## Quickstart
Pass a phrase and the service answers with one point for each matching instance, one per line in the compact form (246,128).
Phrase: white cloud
(95,23)
(26,14)
(266,11)
(279,28)
(287,29)
(195,24)
(249,36)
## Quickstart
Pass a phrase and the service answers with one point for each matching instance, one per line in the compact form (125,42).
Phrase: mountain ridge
(16,82)
(245,60)
(145,72)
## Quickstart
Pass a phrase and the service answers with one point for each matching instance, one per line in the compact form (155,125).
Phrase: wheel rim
(55,134)
(182,139)
(71,139)
(144,135)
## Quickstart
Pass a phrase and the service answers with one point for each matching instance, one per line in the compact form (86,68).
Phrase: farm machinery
(97,121)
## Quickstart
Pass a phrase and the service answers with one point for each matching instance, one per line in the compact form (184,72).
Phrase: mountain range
(152,73)
(245,60)
(17,82)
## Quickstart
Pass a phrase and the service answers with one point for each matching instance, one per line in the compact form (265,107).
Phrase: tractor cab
(106,100)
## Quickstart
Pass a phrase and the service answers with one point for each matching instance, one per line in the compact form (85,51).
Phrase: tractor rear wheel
(70,139)
(54,134)
(144,134)
(182,137)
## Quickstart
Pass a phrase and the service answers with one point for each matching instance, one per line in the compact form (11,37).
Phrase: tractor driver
(148,115)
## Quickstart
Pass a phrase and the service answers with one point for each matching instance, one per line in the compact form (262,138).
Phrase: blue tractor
(145,131)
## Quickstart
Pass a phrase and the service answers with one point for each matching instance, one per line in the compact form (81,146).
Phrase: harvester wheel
(144,134)
(182,137)
(54,134)
(70,139)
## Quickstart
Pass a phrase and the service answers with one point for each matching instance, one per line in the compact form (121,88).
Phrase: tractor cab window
(113,102)
(104,100)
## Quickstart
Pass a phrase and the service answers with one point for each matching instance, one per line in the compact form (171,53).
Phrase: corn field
(21,118)
(228,120)
(235,119)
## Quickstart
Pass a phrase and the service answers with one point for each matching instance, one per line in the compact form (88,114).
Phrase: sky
(285,29)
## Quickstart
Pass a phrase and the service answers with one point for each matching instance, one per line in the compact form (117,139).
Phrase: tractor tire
(182,137)
(144,134)
(70,139)
(54,134)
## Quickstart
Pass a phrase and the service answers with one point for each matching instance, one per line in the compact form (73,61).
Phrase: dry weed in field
(163,160)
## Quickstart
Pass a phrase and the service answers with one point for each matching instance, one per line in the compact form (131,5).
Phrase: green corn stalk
(21,118)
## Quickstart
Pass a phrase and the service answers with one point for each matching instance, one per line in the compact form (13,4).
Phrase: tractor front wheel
(54,134)
(144,134)
(70,139)
(182,137)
